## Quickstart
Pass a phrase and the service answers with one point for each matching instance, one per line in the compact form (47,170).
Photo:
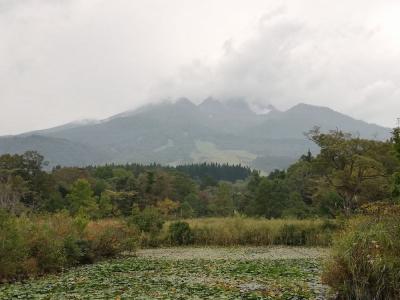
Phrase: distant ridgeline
(183,133)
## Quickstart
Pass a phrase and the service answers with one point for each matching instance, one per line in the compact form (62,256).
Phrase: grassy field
(187,273)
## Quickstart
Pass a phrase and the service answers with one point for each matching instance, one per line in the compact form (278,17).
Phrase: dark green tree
(272,198)
(396,141)
(222,204)
(27,169)
(81,199)
(396,180)
(197,205)
(147,220)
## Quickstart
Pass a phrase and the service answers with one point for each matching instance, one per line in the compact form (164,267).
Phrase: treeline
(110,190)
(203,173)
(348,173)
(211,173)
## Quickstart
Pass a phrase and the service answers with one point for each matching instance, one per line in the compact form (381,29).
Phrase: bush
(49,239)
(107,238)
(77,251)
(31,246)
(148,220)
(365,263)
(46,249)
(13,249)
(180,233)
(45,244)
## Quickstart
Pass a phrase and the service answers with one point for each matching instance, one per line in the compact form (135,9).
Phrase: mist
(66,60)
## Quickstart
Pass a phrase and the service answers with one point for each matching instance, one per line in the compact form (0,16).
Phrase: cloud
(348,65)
(62,60)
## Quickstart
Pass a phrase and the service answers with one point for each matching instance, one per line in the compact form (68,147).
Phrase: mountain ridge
(183,132)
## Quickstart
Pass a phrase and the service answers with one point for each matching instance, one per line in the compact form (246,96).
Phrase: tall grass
(366,258)
(238,230)
(38,245)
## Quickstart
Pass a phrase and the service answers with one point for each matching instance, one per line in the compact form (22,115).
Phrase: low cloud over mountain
(183,132)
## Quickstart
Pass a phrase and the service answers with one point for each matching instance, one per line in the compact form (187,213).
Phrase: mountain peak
(309,108)
(183,101)
(210,102)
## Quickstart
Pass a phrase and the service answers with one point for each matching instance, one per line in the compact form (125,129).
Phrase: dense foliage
(214,172)
(180,233)
(38,245)
(348,173)
(366,262)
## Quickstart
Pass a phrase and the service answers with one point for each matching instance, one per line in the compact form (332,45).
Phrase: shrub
(46,248)
(107,238)
(77,251)
(365,263)
(45,244)
(147,220)
(13,249)
(50,239)
(180,233)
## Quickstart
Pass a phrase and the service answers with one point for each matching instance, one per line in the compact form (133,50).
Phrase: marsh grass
(37,245)
(239,230)
(366,259)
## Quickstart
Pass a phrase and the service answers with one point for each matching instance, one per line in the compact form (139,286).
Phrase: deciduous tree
(346,164)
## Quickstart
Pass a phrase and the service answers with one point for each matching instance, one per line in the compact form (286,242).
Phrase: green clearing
(207,151)
(187,273)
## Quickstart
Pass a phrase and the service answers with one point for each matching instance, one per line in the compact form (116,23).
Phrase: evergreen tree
(222,204)
(81,199)
(396,183)
(396,141)
(106,208)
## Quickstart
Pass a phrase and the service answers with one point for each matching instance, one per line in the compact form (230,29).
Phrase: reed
(239,230)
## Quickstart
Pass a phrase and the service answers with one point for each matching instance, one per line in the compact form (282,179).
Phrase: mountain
(56,151)
(302,117)
(182,132)
(69,125)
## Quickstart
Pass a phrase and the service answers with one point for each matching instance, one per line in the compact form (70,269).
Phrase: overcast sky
(63,60)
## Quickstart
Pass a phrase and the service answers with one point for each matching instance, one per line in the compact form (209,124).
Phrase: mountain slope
(302,117)
(55,150)
(182,132)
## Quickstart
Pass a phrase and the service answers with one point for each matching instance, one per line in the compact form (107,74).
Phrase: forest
(348,173)
(346,197)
